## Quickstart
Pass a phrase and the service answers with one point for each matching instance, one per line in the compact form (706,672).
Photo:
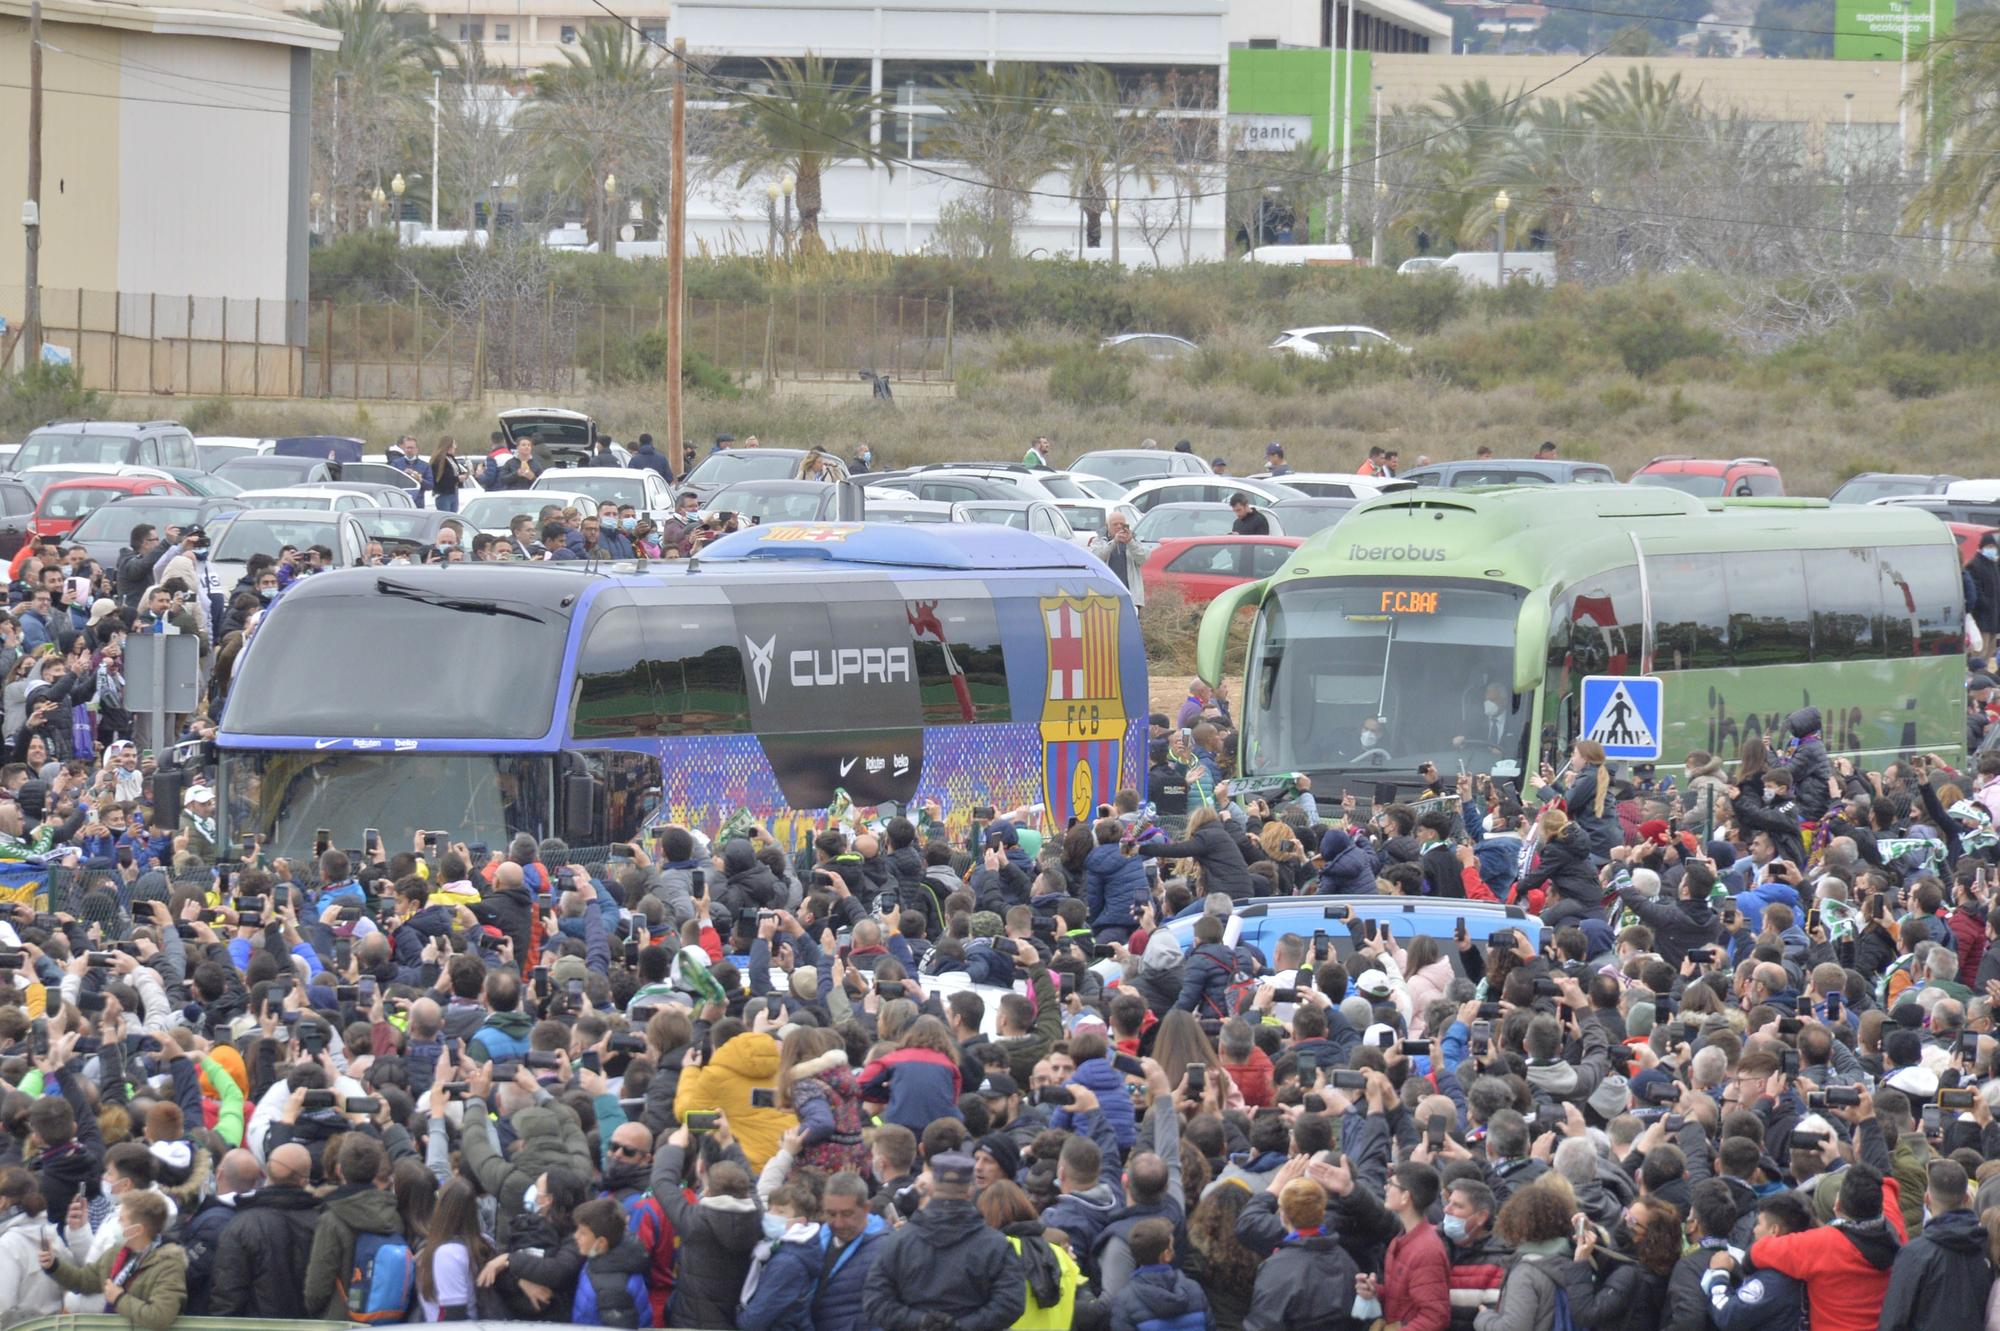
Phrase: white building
(1379,25)
(922,45)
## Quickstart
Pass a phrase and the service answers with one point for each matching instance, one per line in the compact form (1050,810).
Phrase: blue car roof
(1266,919)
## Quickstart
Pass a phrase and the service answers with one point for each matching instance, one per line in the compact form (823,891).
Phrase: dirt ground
(1167,692)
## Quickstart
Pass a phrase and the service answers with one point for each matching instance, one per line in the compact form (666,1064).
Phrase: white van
(1341,256)
(1482,267)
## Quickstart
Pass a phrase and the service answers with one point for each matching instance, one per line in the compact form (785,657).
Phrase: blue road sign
(1622,712)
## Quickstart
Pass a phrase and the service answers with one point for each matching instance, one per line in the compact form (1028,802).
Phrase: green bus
(1457,626)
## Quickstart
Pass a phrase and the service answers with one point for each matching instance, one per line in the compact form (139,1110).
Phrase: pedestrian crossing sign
(1622,713)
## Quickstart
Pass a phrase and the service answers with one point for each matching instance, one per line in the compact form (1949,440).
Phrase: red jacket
(1253,1079)
(1970,936)
(1416,1281)
(1843,1286)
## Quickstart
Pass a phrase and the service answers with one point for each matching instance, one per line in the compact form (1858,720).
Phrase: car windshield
(114,522)
(249,536)
(908,514)
(398,524)
(261,473)
(286,501)
(1062,487)
(766,506)
(993,513)
(41,449)
(619,490)
(1100,487)
(728,468)
(1862,489)
(1701,487)
(211,456)
(1206,520)
(40,481)
(1124,468)
(76,500)
(208,486)
(1308,519)
(1354,674)
(495,512)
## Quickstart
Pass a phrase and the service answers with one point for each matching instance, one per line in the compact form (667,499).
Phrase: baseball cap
(1373,983)
(1654,830)
(199,794)
(1273,447)
(1218,462)
(954,1169)
(998,1086)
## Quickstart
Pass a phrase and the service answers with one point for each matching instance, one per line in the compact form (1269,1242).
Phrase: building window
(656,34)
(503,32)
(472,31)
(1263,43)
(568,35)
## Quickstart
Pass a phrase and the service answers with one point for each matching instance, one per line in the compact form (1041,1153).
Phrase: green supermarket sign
(1874,29)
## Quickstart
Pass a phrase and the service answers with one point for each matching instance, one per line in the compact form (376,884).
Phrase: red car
(67,503)
(1713,478)
(1967,534)
(1202,568)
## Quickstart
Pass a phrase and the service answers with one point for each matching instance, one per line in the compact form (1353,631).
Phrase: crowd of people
(907,1080)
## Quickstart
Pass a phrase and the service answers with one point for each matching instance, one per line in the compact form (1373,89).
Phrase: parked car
(381,494)
(1307,517)
(1487,268)
(1870,486)
(1129,465)
(1712,478)
(1968,535)
(1153,346)
(1167,521)
(17,514)
(1336,484)
(1947,509)
(779,501)
(1319,341)
(561,437)
(66,503)
(1091,515)
(1030,515)
(889,506)
(1014,481)
(496,512)
(1264,920)
(1202,568)
(133,443)
(730,465)
(1510,471)
(327,499)
(646,491)
(406,530)
(1097,487)
(269,531)
(212,450)
(1206,489)
(106,531)
(1423,263)
(268,471)
(40,478)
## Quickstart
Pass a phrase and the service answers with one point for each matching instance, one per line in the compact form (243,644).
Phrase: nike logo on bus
(325,743)
(848,766)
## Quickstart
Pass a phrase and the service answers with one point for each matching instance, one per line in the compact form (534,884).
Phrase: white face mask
(1371,738)
(1490,823)
(775,1226)
(1492,708)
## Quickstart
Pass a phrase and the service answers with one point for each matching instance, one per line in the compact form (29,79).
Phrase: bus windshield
(287,795)
(518,649)
(1356,675)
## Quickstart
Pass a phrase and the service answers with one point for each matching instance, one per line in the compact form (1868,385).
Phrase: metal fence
(429,351)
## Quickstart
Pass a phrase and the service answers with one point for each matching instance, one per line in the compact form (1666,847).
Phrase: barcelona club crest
(1083,711)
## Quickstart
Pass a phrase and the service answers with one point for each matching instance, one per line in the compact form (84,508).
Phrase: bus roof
(954,546)
(1534,536)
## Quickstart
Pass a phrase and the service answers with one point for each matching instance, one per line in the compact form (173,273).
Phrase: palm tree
(1959,76)
(1100,139)
(369,94)
(606,92)
(803,122)
(1001,124)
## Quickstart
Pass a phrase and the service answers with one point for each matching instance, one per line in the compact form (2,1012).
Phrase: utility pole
(676,244)
(1346,117)
(437,185)
(31,207)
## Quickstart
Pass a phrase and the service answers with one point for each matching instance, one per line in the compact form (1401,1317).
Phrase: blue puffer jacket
(1205,981)
(1348,868)
(1113,1100)
(783,1301)
(919,1086)
(837,1306)
(1115,886)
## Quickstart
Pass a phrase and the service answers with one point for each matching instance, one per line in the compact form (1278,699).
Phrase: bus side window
(1768,619)
(698,666)
(1920,600)
(1605,631)
(1690,619)
(973,633)
(1846,605)
(615,695)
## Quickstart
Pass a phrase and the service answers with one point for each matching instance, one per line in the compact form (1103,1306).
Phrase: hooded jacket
(946,1260)
(350,1212)
(155,1284)
(1159,1298)
(1205,981)
(827,1101)
(549,1136)
(1085,1214)
(1845,1267)
(1564,864)
(260,1260)
(1347,868)
(512,911)
(1677,924)
(748,1062)
(1941,1277)
(719,1236)
(1809,765)
(1307,1281)
(26,1290)
(915,1086)
(1114,886)
(748,886)
(836,1304)
(1215,851)
(612,1290)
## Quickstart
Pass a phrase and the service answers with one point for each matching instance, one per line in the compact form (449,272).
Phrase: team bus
(1457,626)
(787,670)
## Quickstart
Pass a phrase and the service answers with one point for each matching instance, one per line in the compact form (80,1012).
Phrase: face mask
(1490,824)
(1492,708)
(1989,552)
(774,1226)
(267,593)
(627,524)
(1453,1228)
(1371,737)
(531,1199)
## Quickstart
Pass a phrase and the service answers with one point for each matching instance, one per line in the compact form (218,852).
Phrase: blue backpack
(383,1280)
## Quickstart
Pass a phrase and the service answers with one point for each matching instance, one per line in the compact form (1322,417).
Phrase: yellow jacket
(748,1062)
(1060,1316)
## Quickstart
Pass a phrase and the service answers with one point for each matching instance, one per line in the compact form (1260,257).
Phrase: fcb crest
(1083,709)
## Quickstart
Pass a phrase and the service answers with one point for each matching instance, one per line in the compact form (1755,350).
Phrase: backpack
(383,1280)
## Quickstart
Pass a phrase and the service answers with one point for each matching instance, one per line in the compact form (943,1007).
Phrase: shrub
(1910,374)
(1647,330)
(641,359)
(42,393)
(1091,379)
(1942,320)
(1419,304)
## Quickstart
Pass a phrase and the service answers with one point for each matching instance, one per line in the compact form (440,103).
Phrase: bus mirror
(579,808)
(168,782)
(1531,633)
(1212,642)
(850,505)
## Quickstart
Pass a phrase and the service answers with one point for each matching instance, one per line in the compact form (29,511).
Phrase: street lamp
(378,198)
(789,186)
(1375,235)
(317,200)
(772,193)
(396,187)
(1501,203)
